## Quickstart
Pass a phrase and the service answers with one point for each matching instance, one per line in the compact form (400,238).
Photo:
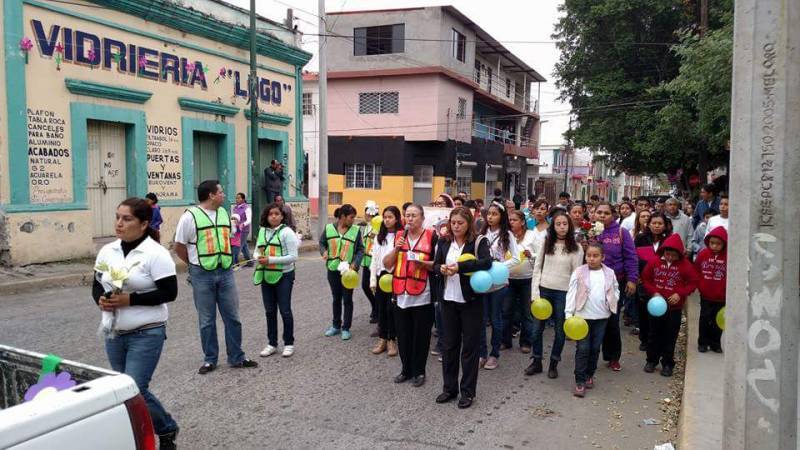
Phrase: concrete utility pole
(763,311)
(323,122)
(252,93)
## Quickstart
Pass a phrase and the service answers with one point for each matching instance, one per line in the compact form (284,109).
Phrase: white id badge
(412,256)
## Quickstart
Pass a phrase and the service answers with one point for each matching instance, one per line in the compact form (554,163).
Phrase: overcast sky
(505,20)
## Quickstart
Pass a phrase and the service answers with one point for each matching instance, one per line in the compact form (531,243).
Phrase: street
(335,394)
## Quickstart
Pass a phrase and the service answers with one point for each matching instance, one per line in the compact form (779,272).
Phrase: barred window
(378,102)
(462,108)
(363,176)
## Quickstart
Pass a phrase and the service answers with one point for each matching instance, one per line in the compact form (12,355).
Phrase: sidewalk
(700,424)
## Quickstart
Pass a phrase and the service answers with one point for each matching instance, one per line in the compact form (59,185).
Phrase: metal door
(106,187)
(206,158)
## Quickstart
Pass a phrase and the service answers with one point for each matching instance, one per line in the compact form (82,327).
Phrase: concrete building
(102,100)
(311,139)
(423,101)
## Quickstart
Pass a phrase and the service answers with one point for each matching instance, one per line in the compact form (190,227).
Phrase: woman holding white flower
(134,280)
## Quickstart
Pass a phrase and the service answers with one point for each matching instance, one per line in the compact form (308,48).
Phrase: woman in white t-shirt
(135,316)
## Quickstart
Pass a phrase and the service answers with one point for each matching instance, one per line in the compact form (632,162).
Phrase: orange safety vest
(409,276)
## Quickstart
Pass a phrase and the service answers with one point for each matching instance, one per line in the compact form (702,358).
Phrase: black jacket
(484,262)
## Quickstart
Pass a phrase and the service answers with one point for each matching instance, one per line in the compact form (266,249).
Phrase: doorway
(206,159)
(267,151)
(106,187)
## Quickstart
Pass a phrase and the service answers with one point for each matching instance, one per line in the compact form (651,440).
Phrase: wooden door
(106,187)
(206,158)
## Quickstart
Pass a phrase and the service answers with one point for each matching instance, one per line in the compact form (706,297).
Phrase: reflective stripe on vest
(340,247)
(368,240)
(213,239)
(410,277)
(271,273)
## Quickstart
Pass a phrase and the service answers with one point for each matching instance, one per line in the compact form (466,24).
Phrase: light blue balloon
(531,223)
(657,306)
(499,273)
(480,281)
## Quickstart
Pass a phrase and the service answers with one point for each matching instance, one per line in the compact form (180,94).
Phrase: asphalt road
(336,394)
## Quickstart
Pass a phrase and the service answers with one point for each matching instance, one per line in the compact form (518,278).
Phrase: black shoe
(642,347)
(666,371)
(650,367)
(552,370)
(206,367)
(168,441)
(464,402)
(716,349)
(535,367)
(702,348)
(445,397)
(418,381)
(402,378)
(245,364)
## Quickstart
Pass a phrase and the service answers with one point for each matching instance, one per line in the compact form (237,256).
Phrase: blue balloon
(657,306)
(499,273)
(480,281)
(531,222)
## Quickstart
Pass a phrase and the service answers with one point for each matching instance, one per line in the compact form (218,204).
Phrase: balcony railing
(497,88)
(502,135)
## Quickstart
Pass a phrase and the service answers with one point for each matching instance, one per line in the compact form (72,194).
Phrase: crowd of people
(593,260)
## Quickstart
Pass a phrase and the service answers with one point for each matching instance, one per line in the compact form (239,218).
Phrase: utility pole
(703,17)
(762,317)
(567,150)
(323,122)
(252,91)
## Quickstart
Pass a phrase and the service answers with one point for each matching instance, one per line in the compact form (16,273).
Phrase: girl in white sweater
(519,285)
(384,243)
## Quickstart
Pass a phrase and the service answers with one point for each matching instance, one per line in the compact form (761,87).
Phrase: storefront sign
(49,157)
(164,165)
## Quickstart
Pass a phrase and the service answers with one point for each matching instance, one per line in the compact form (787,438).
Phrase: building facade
(430,84)
(104,99)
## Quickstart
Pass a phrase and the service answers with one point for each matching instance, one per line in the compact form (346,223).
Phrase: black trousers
(663,335)
(341,295)
(365,274)
(383,302)
(462,336)
(644,315)
(414,337)
(612,341)
(710,333)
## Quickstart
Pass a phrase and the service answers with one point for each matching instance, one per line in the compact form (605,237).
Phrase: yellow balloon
(522,256)
(376,223)
(721,318)
(350,279)
(576,328)
(541,309)
(467,257)
(385,283)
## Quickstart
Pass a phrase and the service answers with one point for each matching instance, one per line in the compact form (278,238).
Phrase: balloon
(531,223)
(657,306)
(576,328)
(350,279)
(541,309)
(721,318)
(481,281)
(385,283)
(467,257)
(376,223)
(499,273)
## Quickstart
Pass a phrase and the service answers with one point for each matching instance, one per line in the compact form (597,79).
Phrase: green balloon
(385,283)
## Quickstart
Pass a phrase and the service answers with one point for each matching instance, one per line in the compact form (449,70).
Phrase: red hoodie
(713,268)
(667,279)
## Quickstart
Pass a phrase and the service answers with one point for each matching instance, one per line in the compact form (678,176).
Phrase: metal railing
(497,87)
(503,135)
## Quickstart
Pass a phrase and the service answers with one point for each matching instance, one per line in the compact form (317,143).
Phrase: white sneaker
(268,351)
(288,351)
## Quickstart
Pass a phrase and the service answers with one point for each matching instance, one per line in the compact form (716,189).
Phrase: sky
(505,20)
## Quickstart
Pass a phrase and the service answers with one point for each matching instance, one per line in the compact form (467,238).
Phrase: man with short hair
(681,223)
(202,241)
(463,195)
(594,200)
(273,179)
(563,201)
(708,200)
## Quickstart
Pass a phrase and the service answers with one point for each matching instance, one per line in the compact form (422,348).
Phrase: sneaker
(288,350)
(206,367)
(332,331)
(579,391)
(535,367)
(269,350)
(346,335)
(666,371)
(491,363)
(245,364)
(614,365)
(590,383)
(167,441)
(650,367)
(702,348)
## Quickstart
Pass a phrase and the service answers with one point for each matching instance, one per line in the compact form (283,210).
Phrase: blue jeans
(136,355)
(587,351)
(278,297)
(518,307)
(559,301)
(211,290)
(245,249)
(493,310)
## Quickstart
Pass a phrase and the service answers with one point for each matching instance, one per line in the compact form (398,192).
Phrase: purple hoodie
(620,256)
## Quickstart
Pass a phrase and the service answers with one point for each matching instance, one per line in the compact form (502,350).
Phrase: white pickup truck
(104,410)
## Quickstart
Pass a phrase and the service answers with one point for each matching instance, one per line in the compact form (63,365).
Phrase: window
(459,46)
(508,87)
(308,104)
(378,102)
(334,198)
(464,179)
(477,71)
(423,184)
(462,108)
(362,176)
(379,40)
(489,79)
